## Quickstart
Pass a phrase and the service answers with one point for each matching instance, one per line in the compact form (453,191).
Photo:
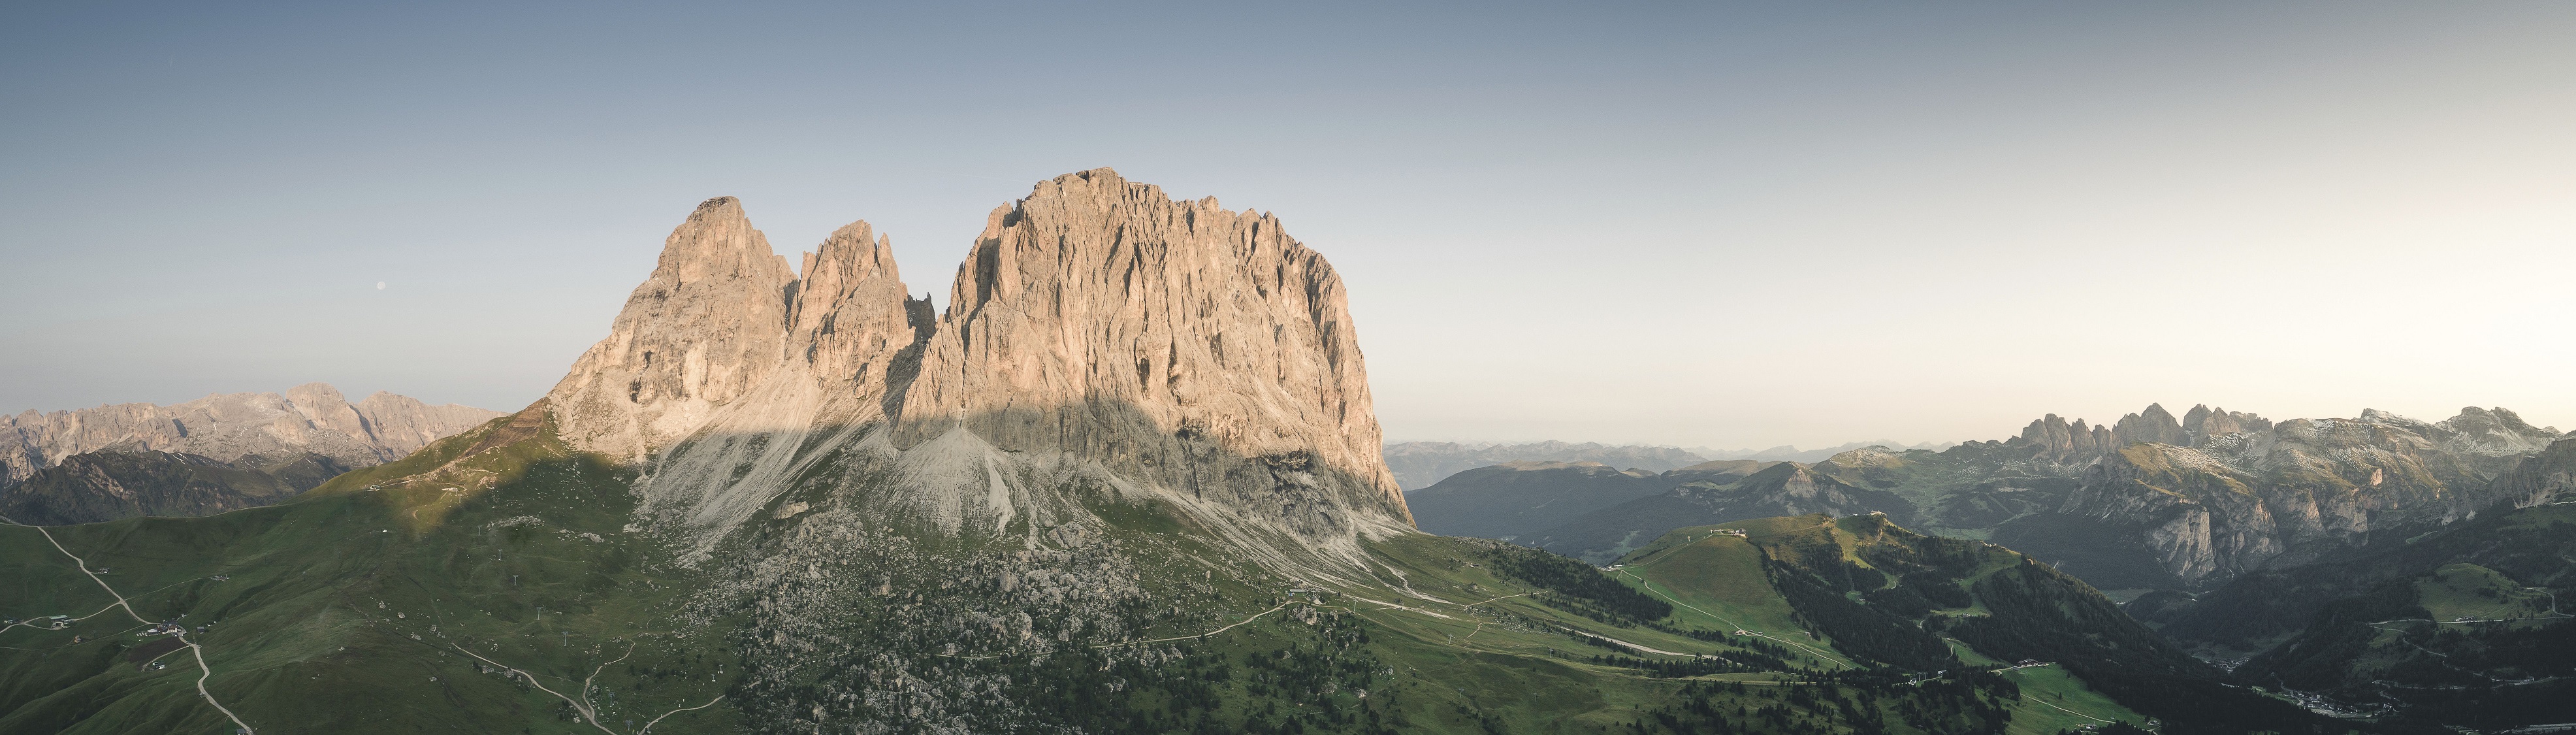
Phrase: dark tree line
(1579,586)
(1857,702)
(1858,629)
(2042,614)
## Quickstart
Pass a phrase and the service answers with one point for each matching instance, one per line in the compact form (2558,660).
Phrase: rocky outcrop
(312,418)
(1100,338)
(2076,445)
(2154,424)
(2203,422)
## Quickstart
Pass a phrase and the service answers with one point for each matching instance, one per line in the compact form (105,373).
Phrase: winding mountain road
(204,671)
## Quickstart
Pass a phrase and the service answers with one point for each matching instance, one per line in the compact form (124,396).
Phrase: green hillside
(1859,593)
(2462,626)
(491,583)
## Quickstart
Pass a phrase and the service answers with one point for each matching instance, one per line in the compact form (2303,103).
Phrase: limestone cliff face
(1175,340)
(706,326)
(311,418)
(851,324)
(1099,335)
(2549,477)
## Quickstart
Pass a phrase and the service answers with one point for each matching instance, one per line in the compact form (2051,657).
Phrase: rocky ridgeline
(1100,338)
(311,418)
(2077,444)
(2239,500)
(2152,500)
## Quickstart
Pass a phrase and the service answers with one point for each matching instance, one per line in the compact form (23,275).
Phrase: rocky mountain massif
(1126,481)
(1099,335)
(311,418)
(2149,501)
(2154,501)
(2246,496)
(2464,626)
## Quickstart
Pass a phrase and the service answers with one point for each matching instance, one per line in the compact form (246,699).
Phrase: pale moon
(380,285)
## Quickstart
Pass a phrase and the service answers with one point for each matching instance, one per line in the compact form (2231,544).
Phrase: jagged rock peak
(2203,422)
(1098,316)
(1095,323)
(2155,424)
(706,326)
(851,315)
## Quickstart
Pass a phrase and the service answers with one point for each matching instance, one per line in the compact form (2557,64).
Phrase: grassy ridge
(351,595)
(407,597)
(1987,605)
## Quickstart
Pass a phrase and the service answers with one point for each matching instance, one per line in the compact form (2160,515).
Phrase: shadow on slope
(122,483)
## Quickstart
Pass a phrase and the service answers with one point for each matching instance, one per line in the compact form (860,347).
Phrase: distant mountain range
(311,418)
(110,484)
(1790,453)
(2149,501)
(1422,464)
(214,454)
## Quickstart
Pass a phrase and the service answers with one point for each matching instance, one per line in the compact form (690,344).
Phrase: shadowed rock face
(112,484)
(2548,477)
(1099,334)
(312,418)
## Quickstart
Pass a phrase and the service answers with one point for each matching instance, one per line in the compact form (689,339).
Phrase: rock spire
(1098,329)
(708,324)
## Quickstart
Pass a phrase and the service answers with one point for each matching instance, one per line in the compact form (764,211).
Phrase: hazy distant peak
(1419,465)
(313,417)
(1790,453)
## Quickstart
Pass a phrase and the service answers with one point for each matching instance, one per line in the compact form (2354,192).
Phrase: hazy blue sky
(1674,223)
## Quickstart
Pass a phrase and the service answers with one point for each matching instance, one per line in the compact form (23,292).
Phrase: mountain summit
(1127,482)
(1099,335)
